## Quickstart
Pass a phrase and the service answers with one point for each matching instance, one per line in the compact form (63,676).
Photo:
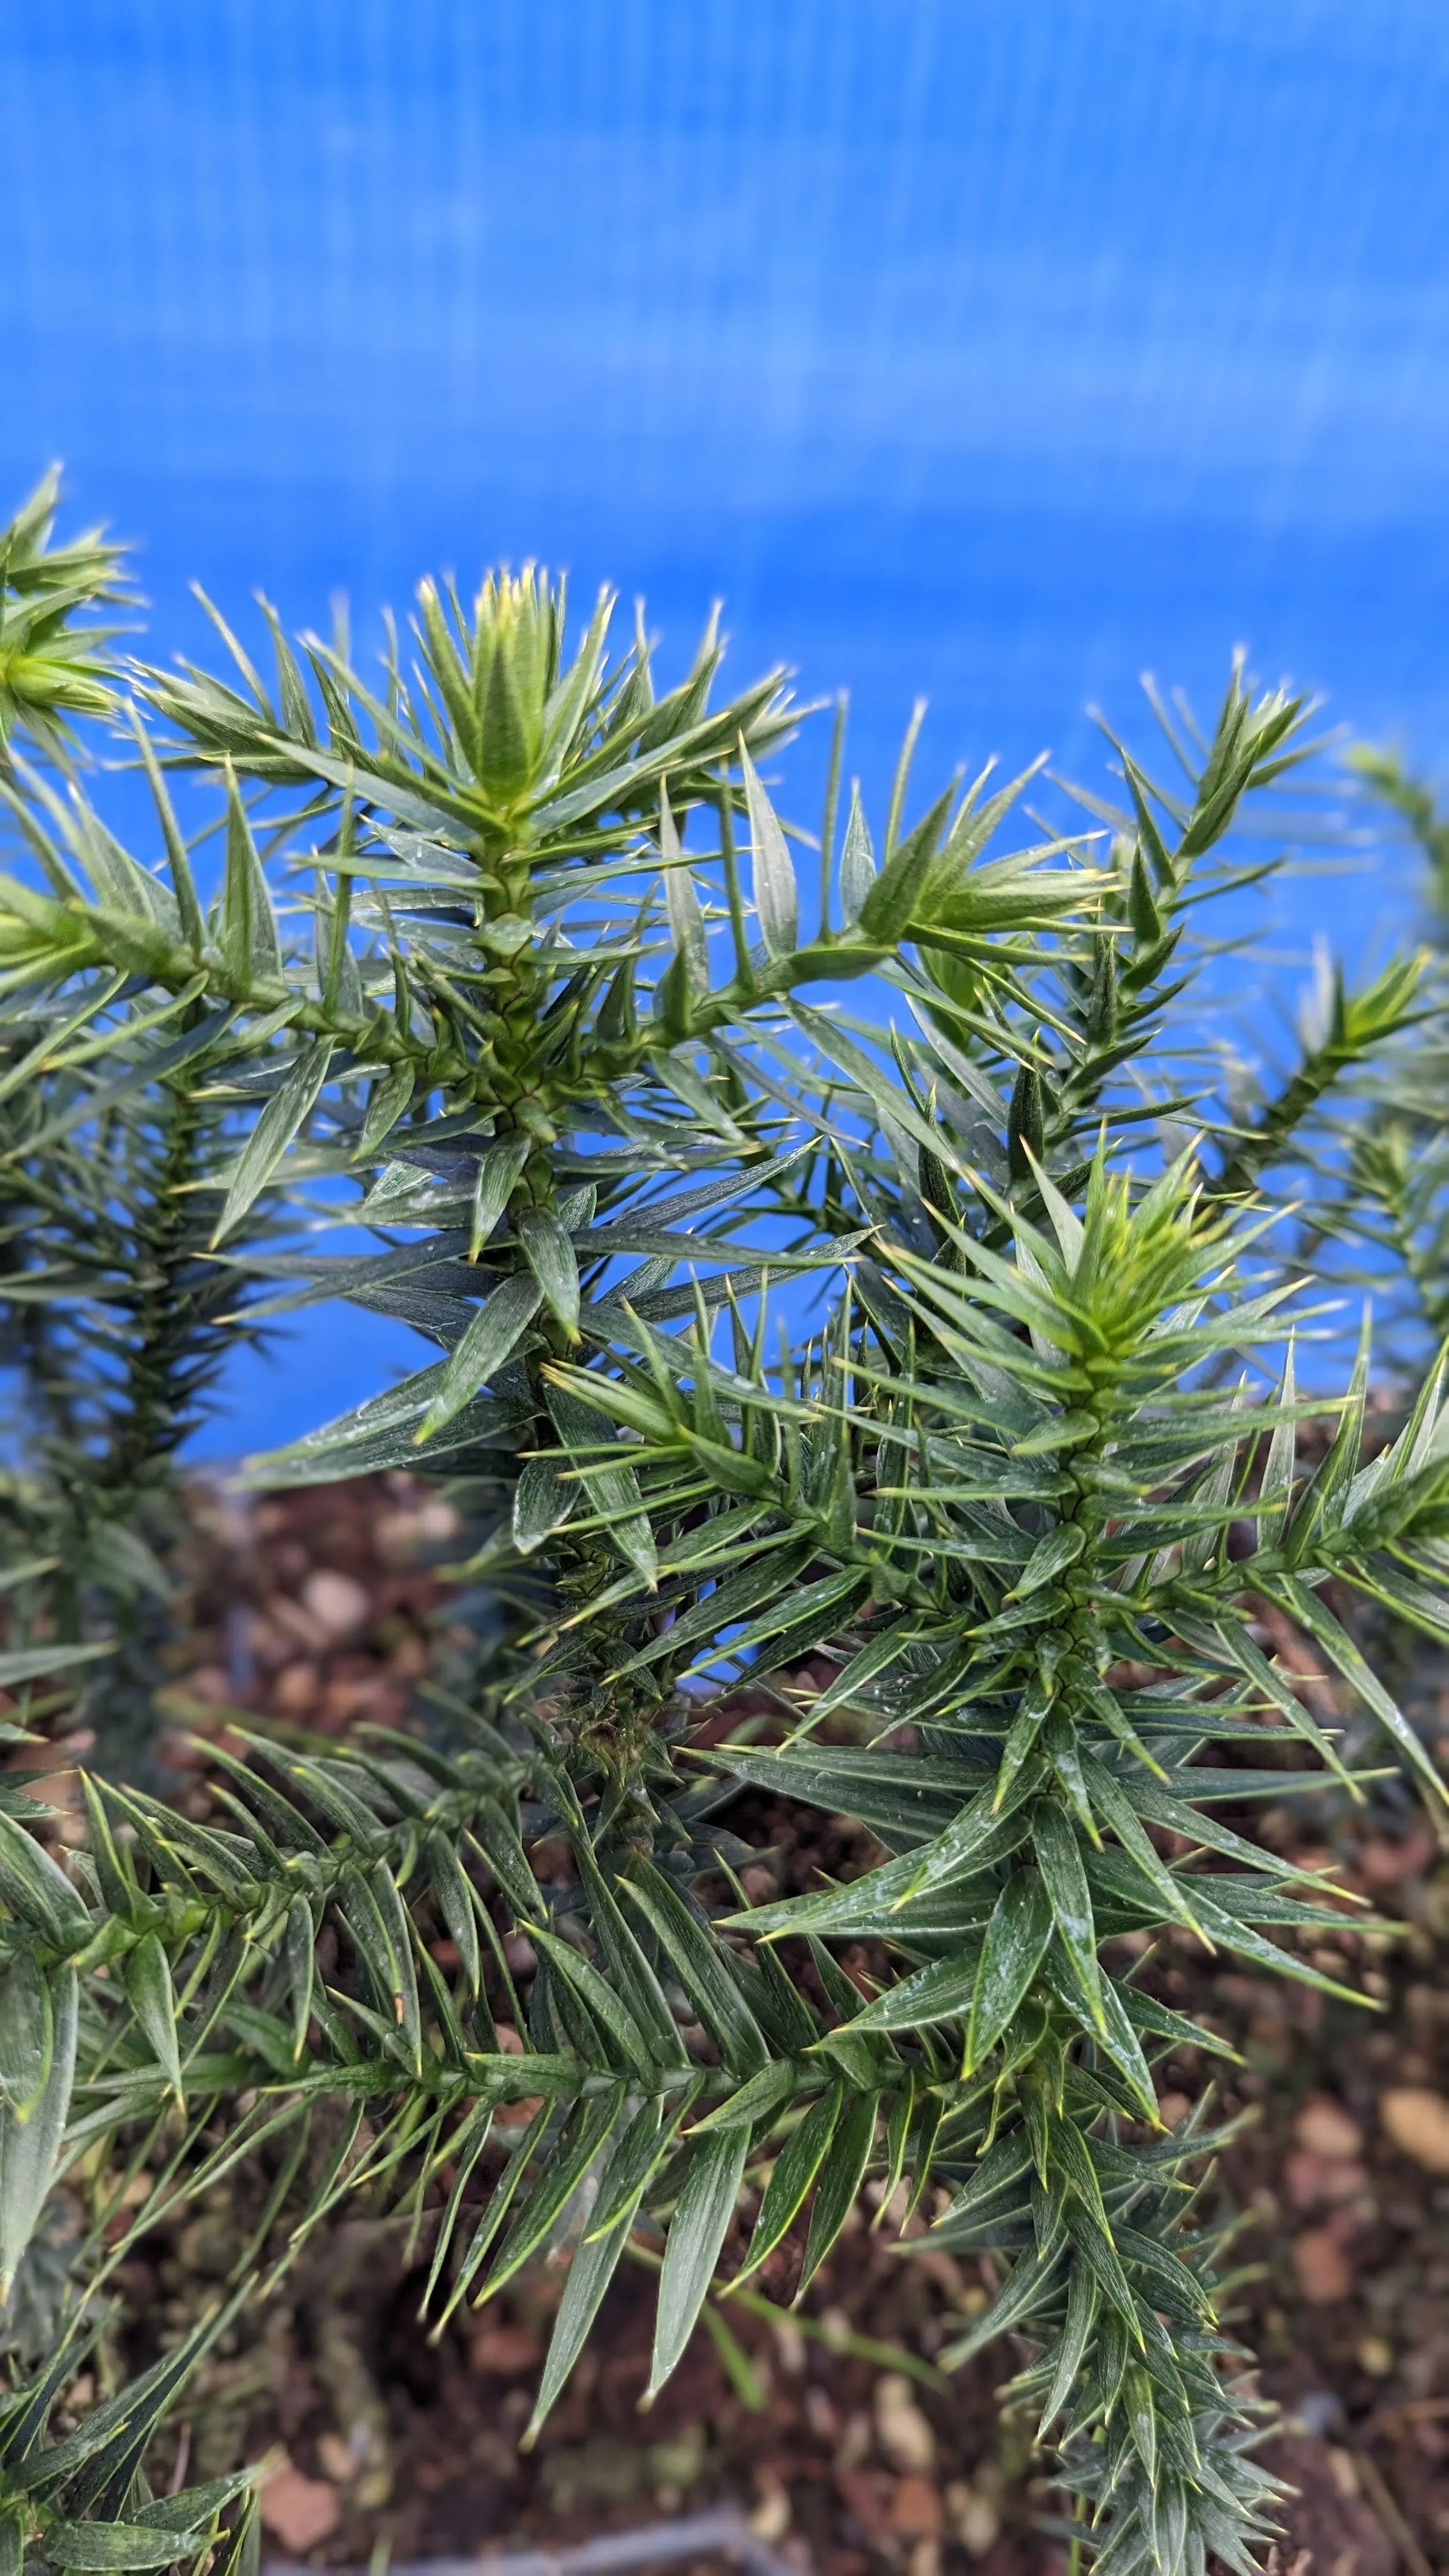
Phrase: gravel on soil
(832,2429)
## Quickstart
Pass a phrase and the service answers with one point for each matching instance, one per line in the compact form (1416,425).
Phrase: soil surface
(833,2428)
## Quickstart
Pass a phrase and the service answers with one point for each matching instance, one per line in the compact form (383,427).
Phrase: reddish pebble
(297,1690)
(1314,2182)
(301,2511)
(863,2495)
(210,1683)
(1323,2268)
(1326,2129)
(506,2350)
(1384,1864)
(916,2507)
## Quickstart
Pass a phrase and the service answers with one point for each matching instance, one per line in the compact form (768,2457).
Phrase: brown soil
(847,2462)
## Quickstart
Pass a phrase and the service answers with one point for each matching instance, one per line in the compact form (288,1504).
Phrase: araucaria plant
(887,1363)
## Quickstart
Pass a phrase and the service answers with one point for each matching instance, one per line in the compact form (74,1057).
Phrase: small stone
(292,1621)
(862,2492)
(208,1682)
(1323,2268)
(1172,2107)
(974,2517)
(398,1535)
(516,2115)
(336,1601)
(916,2508)
(296,1691)
(770,2519)
(505,2350)
(300,2510)
(350,1697)
(904,2433)
(925,2557)
(337,2458)
(1384,1864)
(855,2442)
(1326,2129)
(1375,2356)
(1418,2123)
(1313,2182)
(821,2416)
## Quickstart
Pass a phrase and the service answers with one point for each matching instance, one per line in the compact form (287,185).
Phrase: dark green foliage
(899,1371)
(1392,1170)
(117,1130)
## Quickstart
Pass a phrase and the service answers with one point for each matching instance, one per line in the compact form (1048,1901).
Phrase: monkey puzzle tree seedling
(891,1371)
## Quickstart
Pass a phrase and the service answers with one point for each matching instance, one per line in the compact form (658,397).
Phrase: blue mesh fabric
(986,350)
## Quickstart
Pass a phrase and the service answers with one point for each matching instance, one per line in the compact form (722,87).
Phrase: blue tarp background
(990,351)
